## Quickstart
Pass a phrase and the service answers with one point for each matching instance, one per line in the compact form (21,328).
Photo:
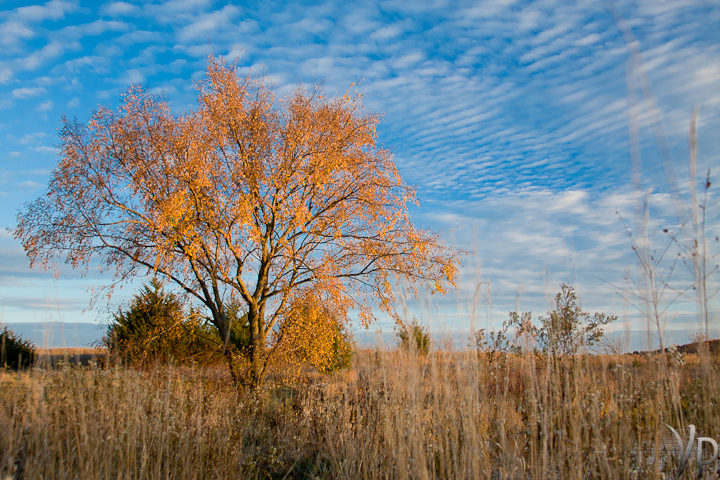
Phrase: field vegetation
(526,401)
(394,414)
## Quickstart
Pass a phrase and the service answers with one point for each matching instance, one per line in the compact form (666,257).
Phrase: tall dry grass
(393,415)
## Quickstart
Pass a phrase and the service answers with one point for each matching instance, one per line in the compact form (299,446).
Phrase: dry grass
(55,357)
(71,351)
(447,415)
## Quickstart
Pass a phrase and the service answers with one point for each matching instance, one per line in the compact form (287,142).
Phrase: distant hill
(59,334)
(693,347)
(714,346)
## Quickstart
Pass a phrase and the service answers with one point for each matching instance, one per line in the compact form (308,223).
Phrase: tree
(245,199)
(413,337)
(566,329)
(15,351)
(155,327)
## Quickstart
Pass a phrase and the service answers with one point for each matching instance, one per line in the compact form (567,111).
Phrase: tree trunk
(232,364)
(222,323)
(257,346)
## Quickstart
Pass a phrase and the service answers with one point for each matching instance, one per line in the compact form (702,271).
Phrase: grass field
(393,415)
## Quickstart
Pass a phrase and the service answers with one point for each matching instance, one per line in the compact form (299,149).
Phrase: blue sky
(509,117)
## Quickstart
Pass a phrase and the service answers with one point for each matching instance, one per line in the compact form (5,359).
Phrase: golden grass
(447,415)
(71,351)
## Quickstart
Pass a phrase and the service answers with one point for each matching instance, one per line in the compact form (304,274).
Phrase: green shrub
(414,337)
(239,328)
(343,350)
(15,352)
(155,327)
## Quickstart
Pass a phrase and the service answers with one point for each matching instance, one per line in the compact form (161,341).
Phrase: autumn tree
(248,198)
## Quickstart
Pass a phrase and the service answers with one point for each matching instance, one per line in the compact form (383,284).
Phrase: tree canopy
(249,197)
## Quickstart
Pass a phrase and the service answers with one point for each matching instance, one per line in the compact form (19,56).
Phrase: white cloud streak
(26,92)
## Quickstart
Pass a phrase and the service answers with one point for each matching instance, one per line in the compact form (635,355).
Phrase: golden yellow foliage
(248,198)
(313,333)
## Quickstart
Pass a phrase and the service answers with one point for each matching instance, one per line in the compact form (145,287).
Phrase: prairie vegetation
(447,414)
(274,219)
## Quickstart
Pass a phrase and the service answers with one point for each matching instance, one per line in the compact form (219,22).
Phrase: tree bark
(257,346)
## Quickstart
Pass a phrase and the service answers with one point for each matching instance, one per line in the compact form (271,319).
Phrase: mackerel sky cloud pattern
(510,117)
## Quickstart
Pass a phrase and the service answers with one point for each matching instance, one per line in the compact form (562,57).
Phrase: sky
(510,119)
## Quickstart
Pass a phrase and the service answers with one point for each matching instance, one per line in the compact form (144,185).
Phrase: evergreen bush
(155,327)
(414,336)
(15,352)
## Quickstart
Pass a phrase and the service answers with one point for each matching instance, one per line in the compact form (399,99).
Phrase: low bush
(156,328)
(15,352)
(414,337)
(313,334)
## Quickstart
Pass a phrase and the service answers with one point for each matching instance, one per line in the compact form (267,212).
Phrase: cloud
(31,138)
(6,74)
(74,85)
(17,29)
(44,149)
(37,171)
(133,76)
(589,40)
(537,240)
(208,25)
(139,36)
(52,10)
(32,303)
(72,103)
(387,32)
(94,63)
(175,11)
(12,33)
(164,91)
(311,25)
(44,81)
(45,106)
(29,185)
(34,60)
(27,92)
(98,27)
(120,9)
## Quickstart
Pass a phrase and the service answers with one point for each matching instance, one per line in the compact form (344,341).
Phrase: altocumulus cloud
(27,92)
(510,117)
